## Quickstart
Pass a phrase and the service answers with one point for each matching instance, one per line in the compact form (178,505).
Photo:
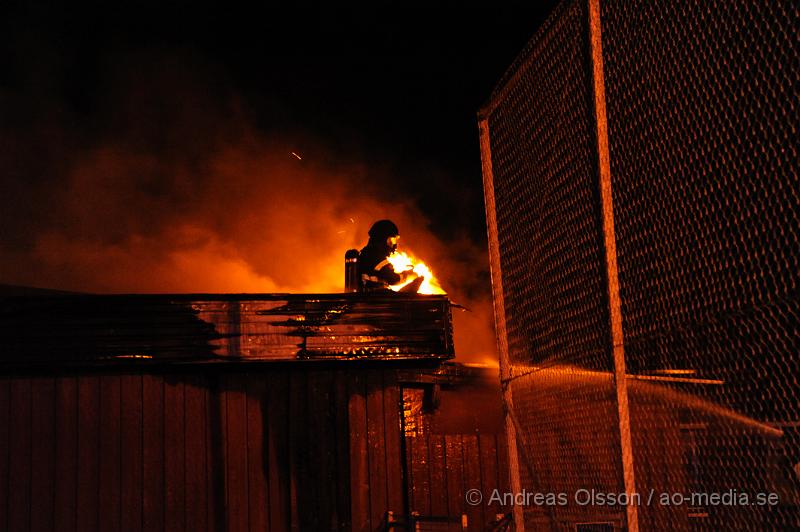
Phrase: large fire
(402,261)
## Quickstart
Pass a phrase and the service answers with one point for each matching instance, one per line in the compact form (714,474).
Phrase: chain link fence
(701,107)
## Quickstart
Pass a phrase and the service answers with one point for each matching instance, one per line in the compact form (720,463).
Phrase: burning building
(242,412)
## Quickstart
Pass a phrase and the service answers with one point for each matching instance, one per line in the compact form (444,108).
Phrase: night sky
(148,149)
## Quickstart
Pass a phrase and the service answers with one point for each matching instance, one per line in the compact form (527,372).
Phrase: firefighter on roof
(376,273)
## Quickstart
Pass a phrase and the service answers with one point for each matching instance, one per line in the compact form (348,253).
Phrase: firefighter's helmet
(383,229)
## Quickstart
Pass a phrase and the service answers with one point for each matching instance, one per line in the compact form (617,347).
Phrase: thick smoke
(168,186)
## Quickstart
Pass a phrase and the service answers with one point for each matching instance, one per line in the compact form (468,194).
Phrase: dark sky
(388,85)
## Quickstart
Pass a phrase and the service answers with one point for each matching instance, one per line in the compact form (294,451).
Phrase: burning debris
(402,261)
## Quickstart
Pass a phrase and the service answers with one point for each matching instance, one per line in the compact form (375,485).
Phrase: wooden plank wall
(175,452)
(235,451)
(443,467)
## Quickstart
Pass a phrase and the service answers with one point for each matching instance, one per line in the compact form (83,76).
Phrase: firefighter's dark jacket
(374,270)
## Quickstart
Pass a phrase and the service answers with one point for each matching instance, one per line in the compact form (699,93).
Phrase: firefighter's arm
(386,273)
(406,275)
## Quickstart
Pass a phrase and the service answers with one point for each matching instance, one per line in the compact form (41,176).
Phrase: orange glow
(253,219)
(403,261)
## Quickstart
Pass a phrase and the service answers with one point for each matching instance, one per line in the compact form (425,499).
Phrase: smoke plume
(166,185)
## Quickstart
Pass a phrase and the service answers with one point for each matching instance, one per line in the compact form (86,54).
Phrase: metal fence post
(500,318)
(615,310)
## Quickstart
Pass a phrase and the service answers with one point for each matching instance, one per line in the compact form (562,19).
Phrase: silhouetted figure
(375,271)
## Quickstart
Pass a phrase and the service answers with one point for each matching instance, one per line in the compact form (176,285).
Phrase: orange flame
(402,261)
